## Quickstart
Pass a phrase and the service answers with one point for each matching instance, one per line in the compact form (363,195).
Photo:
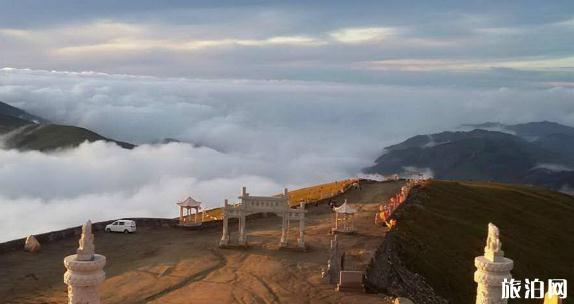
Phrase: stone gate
(278,205)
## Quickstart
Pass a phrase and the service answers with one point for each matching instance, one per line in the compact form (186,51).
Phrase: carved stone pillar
(83,278)
(491,270)
(84,270)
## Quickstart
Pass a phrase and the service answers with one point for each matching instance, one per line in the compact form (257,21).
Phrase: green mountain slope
(443,226)
(23,131)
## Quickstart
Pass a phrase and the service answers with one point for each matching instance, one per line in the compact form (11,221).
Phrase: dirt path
(166,265)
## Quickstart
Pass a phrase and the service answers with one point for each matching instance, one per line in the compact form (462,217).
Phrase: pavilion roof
(345,208)
(189,202)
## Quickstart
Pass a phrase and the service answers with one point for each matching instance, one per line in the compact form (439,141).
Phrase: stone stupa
(491,270)
(84,270)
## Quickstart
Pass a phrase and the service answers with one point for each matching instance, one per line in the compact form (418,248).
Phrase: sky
(450,43)
(262,94)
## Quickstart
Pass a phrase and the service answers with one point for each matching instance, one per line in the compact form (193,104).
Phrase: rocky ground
(169,265)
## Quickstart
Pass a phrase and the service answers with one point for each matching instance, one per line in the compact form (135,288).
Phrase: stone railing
(49,237)
(53,236)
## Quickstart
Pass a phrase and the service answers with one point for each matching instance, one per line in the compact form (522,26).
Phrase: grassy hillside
(444,226)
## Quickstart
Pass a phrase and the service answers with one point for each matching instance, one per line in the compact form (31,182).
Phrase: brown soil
(170,265)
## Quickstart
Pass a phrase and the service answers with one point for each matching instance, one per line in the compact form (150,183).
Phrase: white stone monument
(85,270)
(491,270)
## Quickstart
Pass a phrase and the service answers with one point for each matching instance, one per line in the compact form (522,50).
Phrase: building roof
(345,208)
(189,202)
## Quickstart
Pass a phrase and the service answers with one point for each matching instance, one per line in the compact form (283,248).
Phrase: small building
(189,210)
(344,219)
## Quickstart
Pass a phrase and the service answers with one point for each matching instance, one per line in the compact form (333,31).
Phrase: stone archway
(263,204)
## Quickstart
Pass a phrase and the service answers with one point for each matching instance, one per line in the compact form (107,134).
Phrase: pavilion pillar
(181,215)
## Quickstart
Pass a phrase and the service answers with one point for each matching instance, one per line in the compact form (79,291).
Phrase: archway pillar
(242,235)
(225,236)
(284,230)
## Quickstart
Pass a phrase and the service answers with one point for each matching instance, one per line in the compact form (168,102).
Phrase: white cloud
(363,34)
(102,181)
(262,134)
(461,65)
(105,37)
(138,45)
(15,33)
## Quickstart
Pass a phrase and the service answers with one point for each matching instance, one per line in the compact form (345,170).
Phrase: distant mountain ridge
(540,153)
(24,131)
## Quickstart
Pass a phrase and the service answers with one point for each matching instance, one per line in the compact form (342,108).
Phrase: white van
(125,226)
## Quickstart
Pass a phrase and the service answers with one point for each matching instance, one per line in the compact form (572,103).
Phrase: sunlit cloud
(15,33)
(362,35)
(501,30)
(143,45)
